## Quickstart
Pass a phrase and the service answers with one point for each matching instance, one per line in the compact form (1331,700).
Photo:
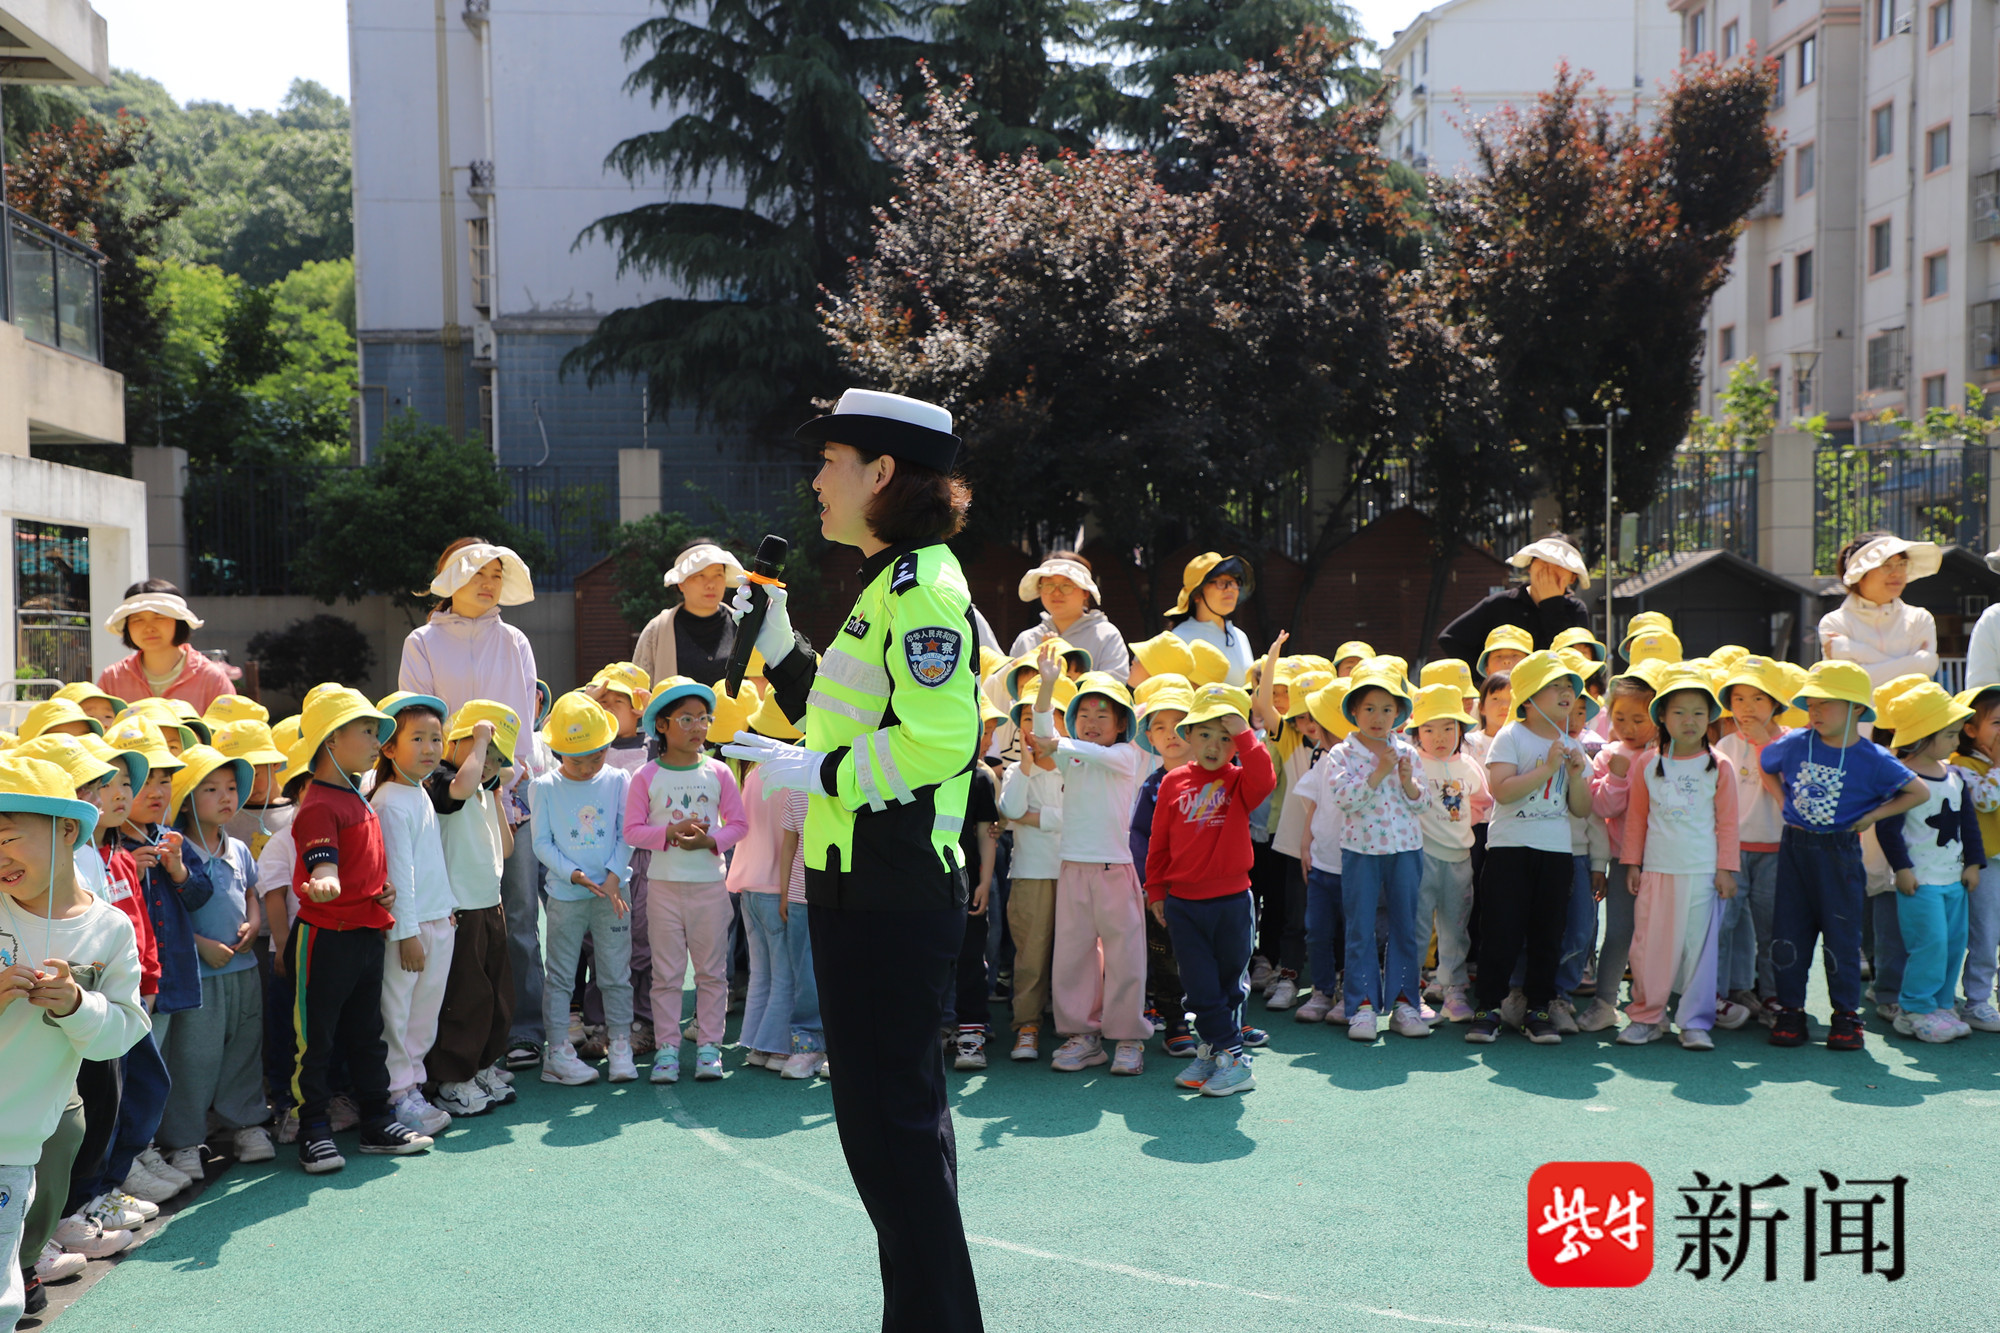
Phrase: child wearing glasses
(686,808)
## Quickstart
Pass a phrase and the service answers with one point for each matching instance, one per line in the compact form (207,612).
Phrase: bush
(645,549)
(306,652)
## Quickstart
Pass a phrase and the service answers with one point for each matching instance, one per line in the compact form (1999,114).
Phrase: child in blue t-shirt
(1833,784)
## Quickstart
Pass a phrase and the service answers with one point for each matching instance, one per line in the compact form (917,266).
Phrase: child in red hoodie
(1198,877)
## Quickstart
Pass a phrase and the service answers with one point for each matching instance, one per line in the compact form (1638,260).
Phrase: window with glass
(1880,257)
(1725,344)
(1802,277)
(1808,61)
(1732,40)
(1805,166)
(1937,274)
(1885,20)
(1882,131)
(1934,392)
(1937,148)
(1777,290)
(1941,22)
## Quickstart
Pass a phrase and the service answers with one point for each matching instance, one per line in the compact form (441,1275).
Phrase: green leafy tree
(645,549)
(1749,403)
(771,183)
(1031,93)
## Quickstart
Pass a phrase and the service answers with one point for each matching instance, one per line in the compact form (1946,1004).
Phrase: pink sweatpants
(1675,921)
(689,920)
(1098,974)
(411,1002)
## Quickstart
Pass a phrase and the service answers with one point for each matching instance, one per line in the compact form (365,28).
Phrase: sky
(247,52)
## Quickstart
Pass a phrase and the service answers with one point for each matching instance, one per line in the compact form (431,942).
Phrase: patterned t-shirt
(1828,788)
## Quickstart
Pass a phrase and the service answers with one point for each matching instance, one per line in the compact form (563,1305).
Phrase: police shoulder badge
(932,654)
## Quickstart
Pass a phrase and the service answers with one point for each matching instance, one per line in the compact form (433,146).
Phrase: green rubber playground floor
(1365,1188)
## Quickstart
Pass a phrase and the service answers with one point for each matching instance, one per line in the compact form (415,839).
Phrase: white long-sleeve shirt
(413,846)
(1889,639)
(1037,850)
(1100,784)
(1982,656)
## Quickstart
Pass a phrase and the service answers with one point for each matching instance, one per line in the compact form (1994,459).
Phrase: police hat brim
(934,449)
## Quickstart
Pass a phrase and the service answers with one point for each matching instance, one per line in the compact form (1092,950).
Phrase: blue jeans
(141,1103)
(1890,955)
(781,1005)
(1579,929)
(1324,923)
(1821,885)
(1212,938)
(1757,883)
(1982,931)
(1393,880)
(1933,926)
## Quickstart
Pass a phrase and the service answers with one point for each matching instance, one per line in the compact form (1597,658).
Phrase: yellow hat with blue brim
(250,741)
(72,756)
(38,787)
(672,690)
(1840,682)
(987,711)
(1647,673)
(1215,701)
(78,691)
(578,725)
(1440,703)
(1584,667)
(1577,636)
(143,737)
(628,679)
(1971,697)
(1535,673)
(506,724)
(1660,645)
(1379,673)
(1923,710)
(1103,685)
(1301,687)
(1152,685)
(1175,697)
(135,765)
(200,762)
(56,713)
(162,715)
(1683,679)
(1061,693)
(334,708)
(1757,672)
(1510,638)
(227,708)
(394,704)
(191,717)
(1165,654)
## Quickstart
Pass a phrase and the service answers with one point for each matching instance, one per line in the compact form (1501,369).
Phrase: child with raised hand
(1629,704)
(1937,852)
(1681,837)
(215,1053)
(1834,784)
(687,809)
(1098,963)
(337,946)
(1373,779)
(69,985)
(1455,799)
(1536,772)
(1978,749)
(1198,877)
(1031,796)
(1163,702)
(420,942)
(1324,825)
(1754,693)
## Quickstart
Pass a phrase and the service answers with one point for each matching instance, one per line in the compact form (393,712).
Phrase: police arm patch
(932,653)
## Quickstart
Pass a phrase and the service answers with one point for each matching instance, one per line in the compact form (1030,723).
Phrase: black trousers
(100,1084)
(968,1006)
(337,1005)
(884,982)
(1523,903)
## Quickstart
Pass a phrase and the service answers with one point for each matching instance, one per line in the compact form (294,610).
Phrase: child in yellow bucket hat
(227,708)
(1322,822)
(1452,671)
(1165,654)
(1938,853)
(1646,622)
(93,701)
(59,716)
(1835,783)
(1756,694)
(1294,740)
(1455,801)
(1350,655)
(1978,750)
(1505,645)
(1198,863)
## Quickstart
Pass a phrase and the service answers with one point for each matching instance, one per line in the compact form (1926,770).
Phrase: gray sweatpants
(611,955)
(215,1055)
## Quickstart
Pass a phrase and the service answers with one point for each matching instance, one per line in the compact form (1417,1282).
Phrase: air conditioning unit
(482,340)
(1903,23)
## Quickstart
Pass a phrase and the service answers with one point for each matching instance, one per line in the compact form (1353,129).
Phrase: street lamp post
(1612,417)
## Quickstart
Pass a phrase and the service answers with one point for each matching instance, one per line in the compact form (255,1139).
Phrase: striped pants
(1675,921)
(337,1003)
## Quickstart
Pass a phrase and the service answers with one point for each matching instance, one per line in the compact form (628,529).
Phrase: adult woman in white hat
(467,651)
(1982,655)
(156,624)
(1873,625)
(1543,605)
(1068,594)
(694,637)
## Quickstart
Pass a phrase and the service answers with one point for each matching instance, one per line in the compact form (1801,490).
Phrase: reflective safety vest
(894,699)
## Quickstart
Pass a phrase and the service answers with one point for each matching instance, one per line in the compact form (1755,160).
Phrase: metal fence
(49,286)
(1707,501)
(1927,494)
(571,509)
(52,645)
(1395,486)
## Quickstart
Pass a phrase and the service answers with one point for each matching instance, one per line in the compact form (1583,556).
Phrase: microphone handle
(746,638)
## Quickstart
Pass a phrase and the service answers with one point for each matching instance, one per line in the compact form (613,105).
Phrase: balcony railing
(49,286)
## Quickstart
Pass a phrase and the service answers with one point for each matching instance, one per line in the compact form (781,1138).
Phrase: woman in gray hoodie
(1064,584)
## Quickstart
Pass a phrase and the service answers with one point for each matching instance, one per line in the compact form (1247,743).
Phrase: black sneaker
(1847,1031)
(1788,1028)
(522,1055)
(1485,1026)
(392,1138)
(1255,1037)
(1541,1029)
(34,1296)
(316,1151)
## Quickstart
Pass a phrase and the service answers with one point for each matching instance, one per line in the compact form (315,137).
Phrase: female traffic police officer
(891,722)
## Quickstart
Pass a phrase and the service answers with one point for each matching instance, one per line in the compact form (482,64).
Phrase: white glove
(775,639)
(784,767)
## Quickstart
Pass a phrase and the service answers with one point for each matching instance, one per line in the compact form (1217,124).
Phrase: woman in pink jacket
(156,625)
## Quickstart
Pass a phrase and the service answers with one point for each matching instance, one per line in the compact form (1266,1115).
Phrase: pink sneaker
(1456,1009)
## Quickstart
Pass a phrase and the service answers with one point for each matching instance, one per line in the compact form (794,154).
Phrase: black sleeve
(792,679)
(1465,637)
(438,787)
(1890,833)
(1558,614)
(980,807)
(1968,830)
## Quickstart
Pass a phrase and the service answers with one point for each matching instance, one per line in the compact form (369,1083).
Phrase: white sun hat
(159,603)
(698,558)
(1555,551)
(515,585)
(1031,582)
(1925,558)
(888,423)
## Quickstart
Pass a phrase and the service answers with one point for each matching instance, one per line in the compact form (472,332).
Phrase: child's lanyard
(1559,784)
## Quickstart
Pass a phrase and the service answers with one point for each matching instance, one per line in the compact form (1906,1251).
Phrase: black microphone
(770,563)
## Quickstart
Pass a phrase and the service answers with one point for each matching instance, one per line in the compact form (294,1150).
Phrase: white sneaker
(1928,1027)
(560,1065)
(803,1064)
(415,1111)
(1338,1014)
(1904,1023)
(1729,1015)
(1563,1014)
(161,1168)
(1892,1013)
(463,1099)
(1697,1039)
(253,1144)
(187,1161)
(1079,1052)
(143,1184)
(755,1059)
(1597,1016)
(1260,972)
(1949,1017)
(1407,1020)
(107,1212)
(707,1063)
(1514,1009)
(57,1264)
(666,1065)
(1314,1009)
(1130,1058)
(499,1074)
(1284,993)
(146,1209)
(1981,1017)
(497,1084)
(1638,1034)
(624,1067)
(80,1235)
(969,1050)
(1362,1026)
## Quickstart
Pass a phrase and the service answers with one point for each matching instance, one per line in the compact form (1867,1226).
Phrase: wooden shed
(1717,597)
(1963,587)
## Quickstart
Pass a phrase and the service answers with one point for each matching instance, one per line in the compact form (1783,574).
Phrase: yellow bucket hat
(1325,707)
(36,786)
(1584,667)
(1579,637)
(161,713)
(1103,685)
(135,765)
(1647,673)
(71,755)
(1209,667)
(1301,688)
(142,736)
(1511,637)
(1165,654)
(1682,678)
(578,725)
(1214,701)
(1440,703)
(1352,650)
(1072,655)
(190,717)
(249,740)
(77,692)
(55,713)
(770,720)
(1729,654)
(989,658)
(1176,697)
(505,721)
(987,711)
(334,709)
(1758,673)
(285,739)
(1152,685)
(1378,673)
(1646,622)
(1449,671)
(1923,710)
(1535,673)
(1658,645)
(627,679)
(1209,565)
(732,715)
(1060,697)
(1793,677)
(1887,692)
(1842,682)
(201,761)
(228,708)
